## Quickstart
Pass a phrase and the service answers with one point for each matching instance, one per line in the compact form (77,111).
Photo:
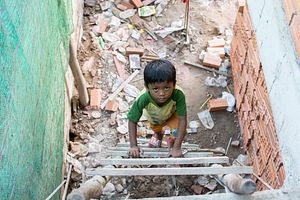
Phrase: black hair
(159,71)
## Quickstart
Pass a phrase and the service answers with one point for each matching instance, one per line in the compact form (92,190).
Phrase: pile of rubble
(119,38)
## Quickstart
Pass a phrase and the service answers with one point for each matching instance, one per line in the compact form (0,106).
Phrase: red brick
(148,2)
(95,98)
(217,104)
(122,7)
(112,105)
(216,50)
(212,60)
(120,67)
(102,26)
(134,50)
(137,3)
(127,5)
(217,42)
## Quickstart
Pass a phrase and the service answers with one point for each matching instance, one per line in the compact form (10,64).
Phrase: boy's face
(161,91)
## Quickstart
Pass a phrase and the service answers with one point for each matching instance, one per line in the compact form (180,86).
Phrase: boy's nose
(161,93)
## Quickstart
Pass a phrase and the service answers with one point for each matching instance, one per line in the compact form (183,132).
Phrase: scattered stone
(127,13)
(202,180)
(94,147)
(96,114)
(211,185)
(108,189)
(123,129)
(134,61)
(78,149)
(90,3)
(197,189)
(235,143)
(119,188)
(105,5)
(131,90)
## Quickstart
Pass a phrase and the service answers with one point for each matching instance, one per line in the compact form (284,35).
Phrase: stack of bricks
(252,103)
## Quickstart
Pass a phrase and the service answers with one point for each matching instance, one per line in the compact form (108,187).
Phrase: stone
(235,143)
(197,189)
(119,188)
(211,185)
(202,180)
(108,189)
(96,114)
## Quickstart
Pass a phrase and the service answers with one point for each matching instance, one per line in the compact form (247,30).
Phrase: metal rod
(56,189)
(67,183)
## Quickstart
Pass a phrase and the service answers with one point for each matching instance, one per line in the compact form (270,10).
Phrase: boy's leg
(172,123)
(156,139)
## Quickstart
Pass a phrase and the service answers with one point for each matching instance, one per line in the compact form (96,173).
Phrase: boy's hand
(135,152)
(176,153)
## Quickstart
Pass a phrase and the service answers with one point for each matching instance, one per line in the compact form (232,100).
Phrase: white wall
(282,74)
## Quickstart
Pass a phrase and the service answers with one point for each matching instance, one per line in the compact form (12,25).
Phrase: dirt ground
(207,19)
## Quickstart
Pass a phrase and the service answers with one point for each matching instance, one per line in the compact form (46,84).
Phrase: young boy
(163,104)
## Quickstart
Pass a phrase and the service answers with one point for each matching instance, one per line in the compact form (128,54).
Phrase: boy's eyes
(156,89)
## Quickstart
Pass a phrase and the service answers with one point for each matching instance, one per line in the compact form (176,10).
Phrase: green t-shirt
(154,113)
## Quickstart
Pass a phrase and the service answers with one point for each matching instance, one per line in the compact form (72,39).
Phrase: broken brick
(120,67)
(217,104)
(212,60)
(122,7)
(137,3)
(95,98)
(127,5)
(148,2)
(134,50)
(102,26)
(112,105)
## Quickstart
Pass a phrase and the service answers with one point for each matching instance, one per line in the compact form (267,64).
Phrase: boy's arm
(134,150)
(176,150)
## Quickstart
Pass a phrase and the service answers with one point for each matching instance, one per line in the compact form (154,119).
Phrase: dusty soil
(207,18)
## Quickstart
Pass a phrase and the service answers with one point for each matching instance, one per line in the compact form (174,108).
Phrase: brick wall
(252,102)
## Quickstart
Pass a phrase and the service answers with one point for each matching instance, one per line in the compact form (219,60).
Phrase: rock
(211,185)
(197,189)
(105,5)
(127,13)
(78,149)
(202,180)
(235,143)
(96,114)
(119,188)
(94,147)
(134,61)
(125,191)
(108,189)
(123,182)
(90,3)
(123,129)
(131,90)
(99,137)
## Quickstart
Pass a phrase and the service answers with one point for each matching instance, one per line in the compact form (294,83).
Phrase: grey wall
(282,74)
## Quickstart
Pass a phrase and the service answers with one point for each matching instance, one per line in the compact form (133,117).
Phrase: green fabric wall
(34,37)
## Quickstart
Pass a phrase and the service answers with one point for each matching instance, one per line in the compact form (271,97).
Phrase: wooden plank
(120,88)
(165,149)
(164,161)
(169,171)
(287,193)
(205,68)
(160,154)
(144,143)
